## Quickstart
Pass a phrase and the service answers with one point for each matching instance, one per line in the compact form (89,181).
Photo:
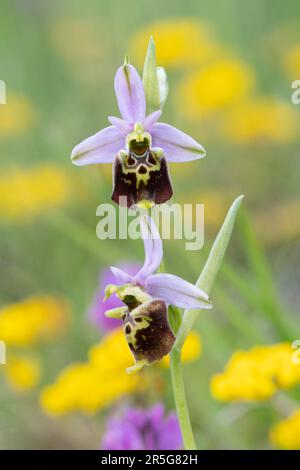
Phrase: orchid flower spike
(147,296)
(137,145)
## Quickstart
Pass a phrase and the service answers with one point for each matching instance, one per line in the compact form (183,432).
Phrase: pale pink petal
(121,276)
(151,119)
(177,291)
(130,94)
(99,148)
(177,146)
(123,126)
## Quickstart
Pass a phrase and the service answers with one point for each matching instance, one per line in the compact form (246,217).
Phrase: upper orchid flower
(138,145)
(147,296)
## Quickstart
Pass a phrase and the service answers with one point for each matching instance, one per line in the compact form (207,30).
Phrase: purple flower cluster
(143,429)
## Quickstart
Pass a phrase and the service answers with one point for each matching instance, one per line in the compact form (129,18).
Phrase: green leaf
(211,269)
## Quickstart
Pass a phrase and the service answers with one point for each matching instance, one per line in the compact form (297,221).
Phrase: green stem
(180,400)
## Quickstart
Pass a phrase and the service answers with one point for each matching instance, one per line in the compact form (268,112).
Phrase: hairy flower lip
(148,332)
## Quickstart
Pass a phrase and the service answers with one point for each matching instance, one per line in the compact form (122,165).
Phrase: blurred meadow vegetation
(230,66)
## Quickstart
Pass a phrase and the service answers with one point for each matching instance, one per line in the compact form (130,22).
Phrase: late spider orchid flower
(137,145)
(146,296)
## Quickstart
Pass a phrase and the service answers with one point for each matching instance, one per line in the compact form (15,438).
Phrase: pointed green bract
(150,78)
(211,269)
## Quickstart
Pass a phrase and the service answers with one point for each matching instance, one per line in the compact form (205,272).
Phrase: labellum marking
(147,331)
(141,177)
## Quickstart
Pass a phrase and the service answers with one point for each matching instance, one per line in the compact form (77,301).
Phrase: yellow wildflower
(22,373)
(95,384)
(83,387)
(215,86)
(286,433)
(90,386)
(192,347)
(35,318)
(260,120)
(256,374)
(179,42)
(25,193)
(16,115)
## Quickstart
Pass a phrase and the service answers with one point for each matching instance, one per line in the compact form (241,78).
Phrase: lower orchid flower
(137,145)
(147,296)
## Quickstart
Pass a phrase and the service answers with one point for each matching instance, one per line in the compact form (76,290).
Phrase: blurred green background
(230,67)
